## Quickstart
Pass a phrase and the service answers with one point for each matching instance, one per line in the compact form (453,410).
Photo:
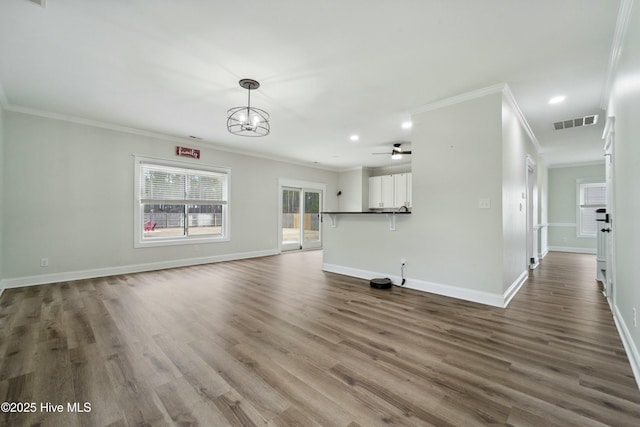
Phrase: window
(591,196)
(179,204)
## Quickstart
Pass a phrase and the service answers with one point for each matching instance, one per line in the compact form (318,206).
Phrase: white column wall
(2,204)
(451,246)
(624,105)
(516,147)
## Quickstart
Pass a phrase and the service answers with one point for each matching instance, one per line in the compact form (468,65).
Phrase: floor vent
(574,123)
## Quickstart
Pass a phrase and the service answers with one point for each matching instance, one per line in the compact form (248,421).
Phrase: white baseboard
(570,249)
(126,269)
(514,288)
(481,297)
(629,346)
(543,253)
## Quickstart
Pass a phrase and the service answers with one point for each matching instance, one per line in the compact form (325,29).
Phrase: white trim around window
(179,202)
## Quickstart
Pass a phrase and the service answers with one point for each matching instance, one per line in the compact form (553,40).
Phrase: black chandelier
(248,121)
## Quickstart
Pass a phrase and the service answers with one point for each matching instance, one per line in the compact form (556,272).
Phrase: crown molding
(576,165)
(457,99)
(523,121)
(622,25)
(157,135)
(478,93)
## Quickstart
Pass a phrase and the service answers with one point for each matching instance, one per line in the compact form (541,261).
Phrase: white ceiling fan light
(396,152)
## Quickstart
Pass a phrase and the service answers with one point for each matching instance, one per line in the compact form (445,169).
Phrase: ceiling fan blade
(406,152)
(383,153)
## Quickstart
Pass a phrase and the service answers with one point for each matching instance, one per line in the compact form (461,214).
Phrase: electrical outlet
(44,262)
(635,321)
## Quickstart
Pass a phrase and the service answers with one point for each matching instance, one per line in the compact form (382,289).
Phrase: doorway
(531,199)
(300,226)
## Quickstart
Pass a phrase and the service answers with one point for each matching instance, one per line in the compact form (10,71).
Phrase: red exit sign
(187,152)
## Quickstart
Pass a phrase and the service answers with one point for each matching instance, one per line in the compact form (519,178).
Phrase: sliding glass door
(311,229)
(300,220)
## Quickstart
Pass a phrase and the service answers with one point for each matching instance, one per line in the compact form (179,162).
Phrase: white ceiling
(328,69)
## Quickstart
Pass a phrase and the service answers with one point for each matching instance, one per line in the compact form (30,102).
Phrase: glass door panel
(301,219)
(311,222)
(291,224)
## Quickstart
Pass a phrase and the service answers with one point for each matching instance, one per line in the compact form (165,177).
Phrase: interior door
(300,219)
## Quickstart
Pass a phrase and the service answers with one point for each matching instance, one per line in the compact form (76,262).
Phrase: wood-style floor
(276,341)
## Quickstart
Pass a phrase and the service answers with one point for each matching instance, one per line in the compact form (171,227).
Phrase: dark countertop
(367,213)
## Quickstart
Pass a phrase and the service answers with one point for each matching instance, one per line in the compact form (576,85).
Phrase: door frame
(531,205)
(304,186)
(609,154)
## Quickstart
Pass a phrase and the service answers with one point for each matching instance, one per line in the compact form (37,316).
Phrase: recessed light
(354,137)
(407,125)
(557,99)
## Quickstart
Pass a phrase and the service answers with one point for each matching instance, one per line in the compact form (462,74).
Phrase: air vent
(42,3)
(574,123)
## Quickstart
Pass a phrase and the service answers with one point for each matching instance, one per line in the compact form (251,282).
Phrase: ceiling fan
(397,151)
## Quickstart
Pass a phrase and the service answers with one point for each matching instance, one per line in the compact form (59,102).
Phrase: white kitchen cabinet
(387,191)
(375,192)
(402,190)
(381,190)
(390,191)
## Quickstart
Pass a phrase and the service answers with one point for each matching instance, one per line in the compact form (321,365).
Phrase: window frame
(580,185)
(140,241)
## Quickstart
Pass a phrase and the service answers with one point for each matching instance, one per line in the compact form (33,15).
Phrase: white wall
(2,204)
(563,221)
(70,199)
(516,146)
(451,246)
(625,106)
(453,167)
(543,209)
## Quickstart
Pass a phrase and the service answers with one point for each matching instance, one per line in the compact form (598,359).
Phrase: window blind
(592,196)
(170,185)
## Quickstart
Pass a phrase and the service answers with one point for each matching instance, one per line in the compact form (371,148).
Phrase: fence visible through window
(164,224)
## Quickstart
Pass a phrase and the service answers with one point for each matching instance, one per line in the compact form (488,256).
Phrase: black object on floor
(380,283)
